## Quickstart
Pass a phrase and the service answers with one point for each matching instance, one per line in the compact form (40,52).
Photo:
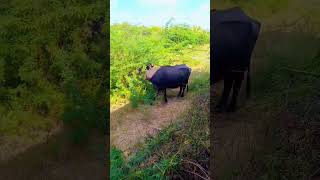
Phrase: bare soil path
(131,127)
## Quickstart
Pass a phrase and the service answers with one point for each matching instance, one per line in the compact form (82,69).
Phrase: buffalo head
(150,70)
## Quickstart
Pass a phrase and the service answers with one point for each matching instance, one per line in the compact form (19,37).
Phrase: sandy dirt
(130,127)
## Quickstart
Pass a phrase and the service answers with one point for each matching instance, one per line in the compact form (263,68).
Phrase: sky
(158,12)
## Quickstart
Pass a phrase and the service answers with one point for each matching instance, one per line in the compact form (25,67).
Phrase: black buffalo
(233,37)
(169,77)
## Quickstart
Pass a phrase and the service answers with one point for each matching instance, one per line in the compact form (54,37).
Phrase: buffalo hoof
(182,95)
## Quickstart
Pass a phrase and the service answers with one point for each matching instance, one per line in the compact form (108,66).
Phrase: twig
(179,175)
(154,127)
(196,174)
(198,165)
(314,173)
(159,169)
(307,109)
(300,71)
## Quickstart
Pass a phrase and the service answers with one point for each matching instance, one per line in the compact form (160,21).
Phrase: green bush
(44,45)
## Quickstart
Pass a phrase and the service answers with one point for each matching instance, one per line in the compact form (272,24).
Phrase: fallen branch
(300,71)
(198,165)
(314,173)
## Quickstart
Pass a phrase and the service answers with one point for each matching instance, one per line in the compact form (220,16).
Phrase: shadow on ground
(58,159)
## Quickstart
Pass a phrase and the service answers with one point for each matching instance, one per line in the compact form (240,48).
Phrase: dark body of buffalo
(233,37)
(171,77)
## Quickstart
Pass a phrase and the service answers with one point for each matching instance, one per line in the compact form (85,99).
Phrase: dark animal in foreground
(233,38)
(169,77)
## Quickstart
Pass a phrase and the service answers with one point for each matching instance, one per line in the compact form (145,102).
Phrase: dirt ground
(129,127)
(58,159)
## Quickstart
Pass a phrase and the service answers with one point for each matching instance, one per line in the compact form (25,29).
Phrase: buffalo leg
(238,77)
(183,89)
(180,91)
(165,95)
(226,91)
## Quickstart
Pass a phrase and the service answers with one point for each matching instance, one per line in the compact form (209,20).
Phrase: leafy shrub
(82,113)
(43,47)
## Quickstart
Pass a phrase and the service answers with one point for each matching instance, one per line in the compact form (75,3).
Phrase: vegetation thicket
(53,66)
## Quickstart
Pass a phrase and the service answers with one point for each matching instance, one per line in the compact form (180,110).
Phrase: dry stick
(179,175)
(154,127)
(198,165)
(159,169)
(300,71)
(151,126)
(314,173)
(196,174)
(307,109)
